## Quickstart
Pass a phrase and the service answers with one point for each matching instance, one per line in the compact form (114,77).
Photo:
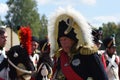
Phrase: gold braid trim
(57,53)
(85,50)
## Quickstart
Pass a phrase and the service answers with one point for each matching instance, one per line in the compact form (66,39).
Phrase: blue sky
(96,12)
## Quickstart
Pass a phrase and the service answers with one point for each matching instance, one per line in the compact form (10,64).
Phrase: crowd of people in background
(71,51)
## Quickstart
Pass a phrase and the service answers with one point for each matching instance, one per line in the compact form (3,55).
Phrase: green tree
(24,13)
(0,21)
(118,38)
(44,23)
(109,29)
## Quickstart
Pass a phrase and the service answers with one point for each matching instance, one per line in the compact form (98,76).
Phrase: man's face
(98,45)
(34,45)
(112,50)
(66,43)
(3,39)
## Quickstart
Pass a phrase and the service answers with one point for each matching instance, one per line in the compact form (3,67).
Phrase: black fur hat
(62,31)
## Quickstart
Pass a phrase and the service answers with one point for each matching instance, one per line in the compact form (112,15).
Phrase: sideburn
(75,49)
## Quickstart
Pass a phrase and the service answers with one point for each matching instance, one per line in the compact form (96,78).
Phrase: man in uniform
(35,52)
(21,66)
(3,61)
(111,58)
(71,45)
(97,34)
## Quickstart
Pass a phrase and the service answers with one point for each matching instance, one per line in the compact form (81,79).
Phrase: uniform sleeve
(97,69)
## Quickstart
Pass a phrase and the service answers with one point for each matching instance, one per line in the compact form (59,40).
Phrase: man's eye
(4,37)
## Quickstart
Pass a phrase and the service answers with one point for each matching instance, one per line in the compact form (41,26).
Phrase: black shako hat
(109,41)
(35,39)
(97,35)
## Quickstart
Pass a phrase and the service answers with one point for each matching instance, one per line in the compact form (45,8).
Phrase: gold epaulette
(85,50)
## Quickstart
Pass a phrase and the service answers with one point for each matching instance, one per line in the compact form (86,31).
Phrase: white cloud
(3,10)
(89,2)
(54,2)
(107,19)
(99,20)
(66,2)
(43,2)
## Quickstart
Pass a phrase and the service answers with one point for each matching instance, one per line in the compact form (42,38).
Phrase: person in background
(97,35)
(18,56)
(44,45)
(35,52)
(71,46)
(111,58)
(3,59)
(44,66)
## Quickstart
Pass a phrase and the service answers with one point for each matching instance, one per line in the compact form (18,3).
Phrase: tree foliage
(24,13)
(44,23)
(1,22)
